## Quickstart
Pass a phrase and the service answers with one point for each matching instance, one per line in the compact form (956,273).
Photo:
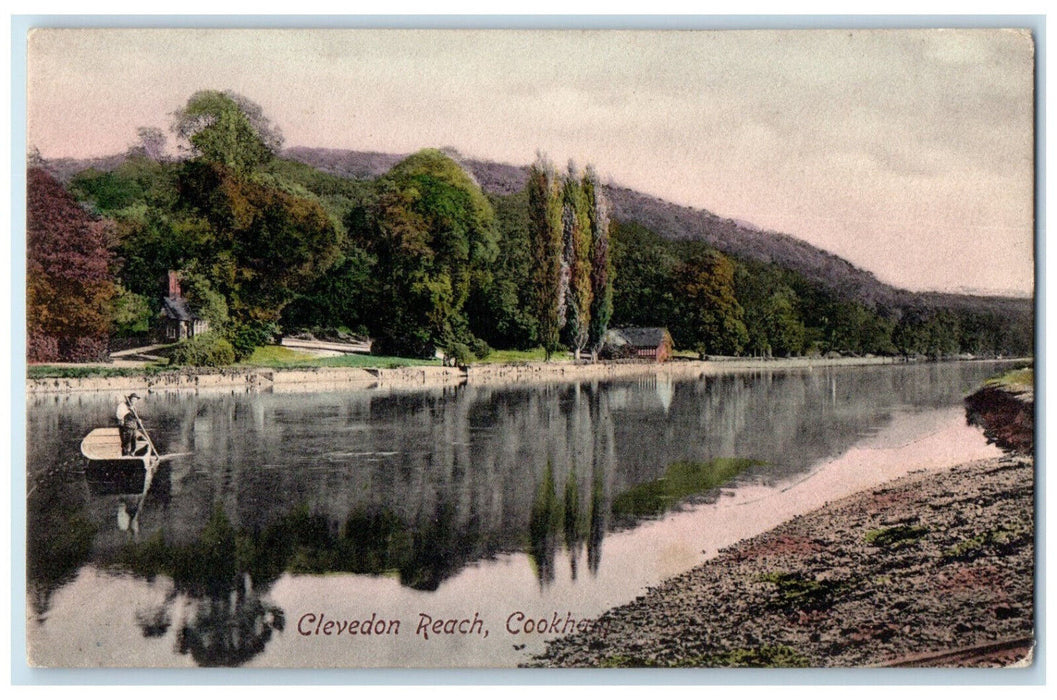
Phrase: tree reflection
(439,548)
(230,624)
(229,629)
(58,543)
(573,522)
(544,524)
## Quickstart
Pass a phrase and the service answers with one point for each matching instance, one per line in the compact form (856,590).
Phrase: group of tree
(569,266)
(719,305)
(418,259)
(243,241)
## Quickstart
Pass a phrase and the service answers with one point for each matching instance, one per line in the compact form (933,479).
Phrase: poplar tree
(601,265)
(576,262)
(545,240)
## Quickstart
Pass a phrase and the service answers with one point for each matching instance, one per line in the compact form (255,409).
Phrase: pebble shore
(902,574)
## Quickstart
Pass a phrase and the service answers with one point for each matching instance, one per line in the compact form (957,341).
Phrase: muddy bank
(903,574)
(1006,414)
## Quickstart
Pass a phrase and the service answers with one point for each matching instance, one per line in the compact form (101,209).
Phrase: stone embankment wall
(309,379)
(325,378)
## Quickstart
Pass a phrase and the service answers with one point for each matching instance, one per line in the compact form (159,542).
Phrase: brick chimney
(174,285)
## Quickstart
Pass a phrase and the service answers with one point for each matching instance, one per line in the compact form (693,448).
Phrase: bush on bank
(209,349)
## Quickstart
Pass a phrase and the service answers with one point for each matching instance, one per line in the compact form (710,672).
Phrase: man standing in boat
(126,422)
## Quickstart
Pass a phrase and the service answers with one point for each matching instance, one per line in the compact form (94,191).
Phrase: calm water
(452,523)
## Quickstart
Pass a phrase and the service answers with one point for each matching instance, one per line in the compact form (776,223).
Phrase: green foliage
(339,296)
(576,263)
(545,242)
(131,313)
(107,192)
(286,358)
(204,299)
(644,289)
(710,319)
(422,259)
(601,265)
(927,331)
(569,267)
(430,234)
(499,309)
(103,371)
(246,336)
(772,321)
(209,349)
(999,540)
(227,129)
(515,356)
(258,246)
(1020,378)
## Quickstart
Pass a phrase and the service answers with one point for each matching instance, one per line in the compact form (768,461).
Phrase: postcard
(357,348)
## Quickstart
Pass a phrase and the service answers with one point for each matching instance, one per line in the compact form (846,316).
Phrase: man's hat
(132,396)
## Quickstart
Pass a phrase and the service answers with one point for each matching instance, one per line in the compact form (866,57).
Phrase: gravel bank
(897,575)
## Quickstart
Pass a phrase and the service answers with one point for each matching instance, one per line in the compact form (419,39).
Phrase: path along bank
(933,569)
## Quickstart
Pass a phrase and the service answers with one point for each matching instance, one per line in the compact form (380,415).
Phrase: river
(457,526)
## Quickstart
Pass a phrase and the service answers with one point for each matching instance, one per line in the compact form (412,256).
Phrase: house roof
(643,337)
(177,309)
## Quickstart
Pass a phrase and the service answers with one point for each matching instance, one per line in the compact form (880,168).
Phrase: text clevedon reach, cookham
(428,626)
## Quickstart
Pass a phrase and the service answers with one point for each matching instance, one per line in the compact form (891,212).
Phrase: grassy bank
(1019,379)
(278,357)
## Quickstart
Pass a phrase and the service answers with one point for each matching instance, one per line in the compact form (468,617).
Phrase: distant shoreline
(322,379)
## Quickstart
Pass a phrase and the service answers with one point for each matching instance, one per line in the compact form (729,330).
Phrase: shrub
(208,349)
(84,349)
(244,338)
(459,353)
(41,347)
(480,348)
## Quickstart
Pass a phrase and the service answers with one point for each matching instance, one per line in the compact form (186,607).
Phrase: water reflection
(416,486)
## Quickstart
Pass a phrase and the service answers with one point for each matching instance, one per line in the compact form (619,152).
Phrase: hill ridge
(667,219)
(680,222)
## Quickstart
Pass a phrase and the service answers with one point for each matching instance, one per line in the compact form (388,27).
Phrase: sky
(910,153)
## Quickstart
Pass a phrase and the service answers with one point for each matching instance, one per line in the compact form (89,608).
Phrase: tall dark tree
(500,309)
(643,289)
(576,263)
(545,240)
(771,316)
(69,288)
(710,318)
(431,234)
(601,265)
(260,246)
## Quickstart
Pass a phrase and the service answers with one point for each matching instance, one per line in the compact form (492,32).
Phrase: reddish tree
(68,285)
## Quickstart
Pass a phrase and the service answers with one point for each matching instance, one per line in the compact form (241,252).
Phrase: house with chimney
(178,320)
